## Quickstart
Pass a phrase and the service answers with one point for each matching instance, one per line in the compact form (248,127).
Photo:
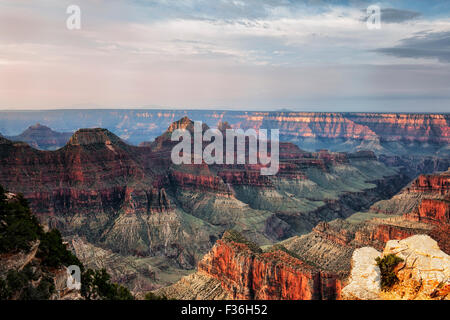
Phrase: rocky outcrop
(433,211)
(137,273)
(406,127)
(200,182)
(423,273)
(245,272)
(86,137)
(425,270)
(330,245)
(433,206)
(364,283)
(437,184)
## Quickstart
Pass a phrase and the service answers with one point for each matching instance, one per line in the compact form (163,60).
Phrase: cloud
(202,53)
(435,45)
(232,10)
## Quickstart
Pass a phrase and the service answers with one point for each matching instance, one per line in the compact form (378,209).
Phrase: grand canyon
(105,180)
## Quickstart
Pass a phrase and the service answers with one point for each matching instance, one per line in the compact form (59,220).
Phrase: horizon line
(282,110)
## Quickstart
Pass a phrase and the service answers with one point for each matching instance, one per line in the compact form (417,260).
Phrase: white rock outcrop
(365,278)
(423,274)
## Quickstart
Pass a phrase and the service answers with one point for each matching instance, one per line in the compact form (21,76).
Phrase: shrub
(19,284)
(387,265)
(96,285)
(18,229)
(53,251)
(18,226)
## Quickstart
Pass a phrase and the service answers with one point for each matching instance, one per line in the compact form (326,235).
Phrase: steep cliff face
(406,127)
(438,184)
(433,207)
(379,234)
(431,199)
(194,181)
(432,211)
(245,272)
(329,125)
(409,200)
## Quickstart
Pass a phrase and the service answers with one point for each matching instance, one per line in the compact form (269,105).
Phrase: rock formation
(246,272)
(424,272)
(41,137)
(365,277)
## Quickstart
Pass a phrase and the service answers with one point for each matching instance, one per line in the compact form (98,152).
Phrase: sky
(300,55)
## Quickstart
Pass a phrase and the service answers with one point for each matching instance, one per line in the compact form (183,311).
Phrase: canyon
(151,223)
(151,220)
(317,265)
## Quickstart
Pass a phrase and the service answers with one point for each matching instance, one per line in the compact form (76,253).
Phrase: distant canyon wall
(380,132)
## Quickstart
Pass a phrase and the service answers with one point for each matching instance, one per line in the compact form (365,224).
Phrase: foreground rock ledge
(424,273)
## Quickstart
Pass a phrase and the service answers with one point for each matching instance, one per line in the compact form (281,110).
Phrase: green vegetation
(233,235)
(53,252)
(96,285)
(19,229)
(387,265)
(18,285)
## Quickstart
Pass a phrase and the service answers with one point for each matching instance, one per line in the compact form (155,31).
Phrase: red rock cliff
(433,211)
(431,183)
(251,274)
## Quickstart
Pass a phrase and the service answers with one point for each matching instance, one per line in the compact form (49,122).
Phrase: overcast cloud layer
(228,54)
